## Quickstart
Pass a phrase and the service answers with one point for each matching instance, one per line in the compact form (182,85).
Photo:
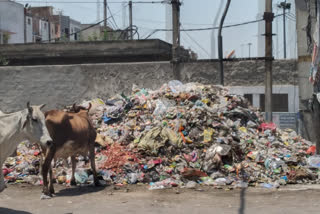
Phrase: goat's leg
(45,168)
(93,165)
(51,189)
(73,164)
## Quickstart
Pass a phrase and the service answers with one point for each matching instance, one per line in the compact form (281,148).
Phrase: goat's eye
(34,119)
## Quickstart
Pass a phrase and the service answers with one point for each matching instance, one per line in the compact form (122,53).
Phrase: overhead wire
(211,28)
(204,50)
(91,2)
(196,48)
(115,23)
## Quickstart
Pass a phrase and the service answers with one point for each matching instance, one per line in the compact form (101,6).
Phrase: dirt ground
(25,199)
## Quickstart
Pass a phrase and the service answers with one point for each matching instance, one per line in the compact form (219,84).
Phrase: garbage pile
(190,134)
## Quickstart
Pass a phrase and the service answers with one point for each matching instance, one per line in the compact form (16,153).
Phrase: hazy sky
(194,14)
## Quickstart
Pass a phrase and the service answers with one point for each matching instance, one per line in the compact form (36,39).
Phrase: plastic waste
(175,86)
(81,176)
(314,161)
(191,185)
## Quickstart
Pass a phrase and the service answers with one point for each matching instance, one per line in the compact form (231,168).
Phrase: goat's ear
(74,107)
(42,106)
(90,105)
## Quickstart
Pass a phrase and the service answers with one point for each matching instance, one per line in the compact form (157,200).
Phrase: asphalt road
(25,199)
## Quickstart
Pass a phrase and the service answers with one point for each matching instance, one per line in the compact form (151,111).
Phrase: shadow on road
(242,200)
(77,191)
(10,211)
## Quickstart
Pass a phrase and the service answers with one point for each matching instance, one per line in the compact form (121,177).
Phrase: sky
(194,14)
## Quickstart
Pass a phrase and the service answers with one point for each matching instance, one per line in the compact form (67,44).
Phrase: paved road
(19,199)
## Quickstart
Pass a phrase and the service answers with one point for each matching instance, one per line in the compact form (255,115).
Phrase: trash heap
(190,134)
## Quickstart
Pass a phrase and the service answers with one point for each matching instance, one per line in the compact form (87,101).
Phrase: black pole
(284,31)
(220,42)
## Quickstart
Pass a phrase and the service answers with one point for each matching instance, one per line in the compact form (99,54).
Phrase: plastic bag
(161,107)
(314,161)
(176,86)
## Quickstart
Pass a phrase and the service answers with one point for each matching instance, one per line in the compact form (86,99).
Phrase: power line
(211,28)
(90,2)
(116,26)
(196,42)
(193,48)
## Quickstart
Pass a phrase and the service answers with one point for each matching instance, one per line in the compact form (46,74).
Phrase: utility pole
(130,19)
(268,17)
(285,6)
(105,15)
(249,45)
(176,38)
(220,42)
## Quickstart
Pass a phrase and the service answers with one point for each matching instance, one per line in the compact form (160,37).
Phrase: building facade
(75,28)
(11,22)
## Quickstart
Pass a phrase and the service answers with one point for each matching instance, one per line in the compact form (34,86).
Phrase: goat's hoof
(73,183)
(52,191)
(97,183)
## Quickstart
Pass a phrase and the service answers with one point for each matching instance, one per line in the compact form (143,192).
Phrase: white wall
(292,91)
(44,30)
(29,29)
(12,20)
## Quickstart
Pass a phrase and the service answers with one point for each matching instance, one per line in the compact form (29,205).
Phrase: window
(45,25)
(249,97)
(29,21)
(280,102)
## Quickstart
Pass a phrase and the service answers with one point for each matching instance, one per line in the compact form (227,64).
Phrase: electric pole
(220,42)
(25,24)
(105,15)
(249,45)
(176,37)
(268,17)
(130,20)
(285,6)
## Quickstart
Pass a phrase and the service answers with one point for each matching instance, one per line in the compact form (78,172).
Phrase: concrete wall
(303,67)
(29,29)
(75,26)
(87,52)
(61,85)
(12,20)
(44,30)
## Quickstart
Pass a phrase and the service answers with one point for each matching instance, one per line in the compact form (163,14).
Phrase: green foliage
(105,36)
(3,61)
(6,37)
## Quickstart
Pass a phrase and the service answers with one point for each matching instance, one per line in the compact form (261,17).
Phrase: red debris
(268,126)
(311,150)
(118,156)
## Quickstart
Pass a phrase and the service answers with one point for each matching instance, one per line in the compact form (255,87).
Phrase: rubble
(183,135)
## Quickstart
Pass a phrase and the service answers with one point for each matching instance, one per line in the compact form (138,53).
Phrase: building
(306,26)
(11,22)
(91,32)
(45,28)
(75,28)
(29,28)
(64,22)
